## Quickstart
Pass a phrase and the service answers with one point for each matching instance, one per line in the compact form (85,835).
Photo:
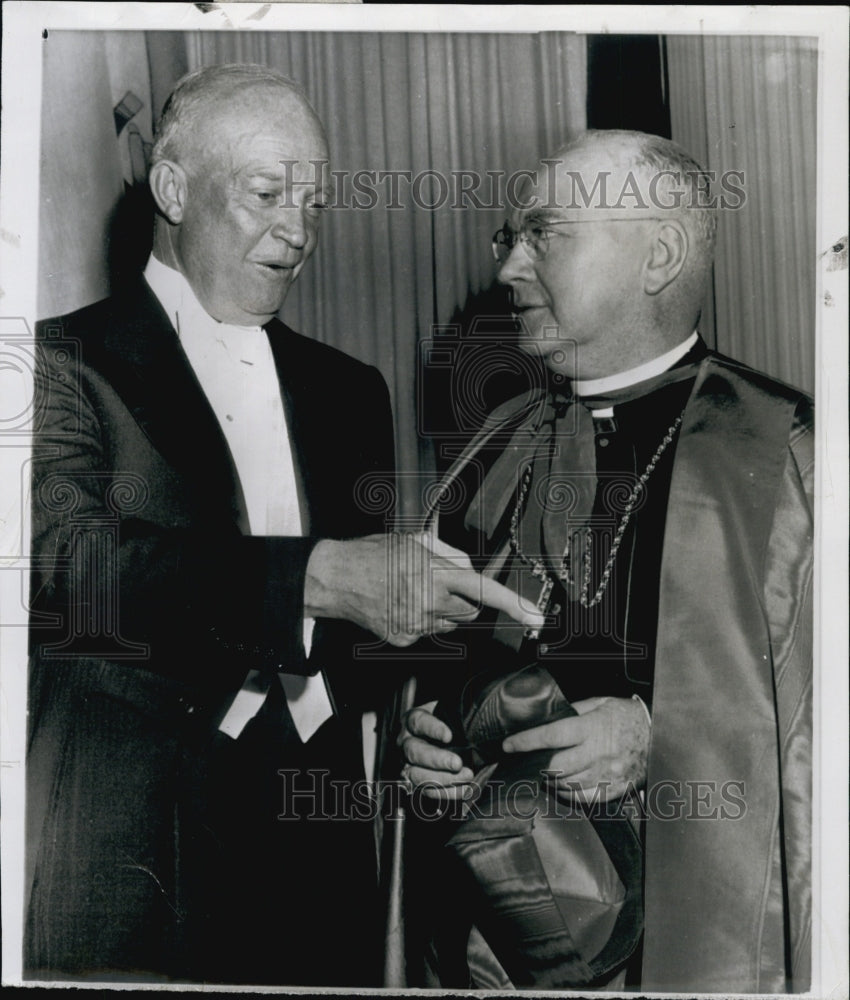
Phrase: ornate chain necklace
(538,568)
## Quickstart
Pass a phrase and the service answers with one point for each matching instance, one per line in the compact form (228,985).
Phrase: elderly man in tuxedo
(204,577)
(655,501)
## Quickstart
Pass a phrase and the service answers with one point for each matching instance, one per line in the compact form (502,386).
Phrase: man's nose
(517,266)
(292,226)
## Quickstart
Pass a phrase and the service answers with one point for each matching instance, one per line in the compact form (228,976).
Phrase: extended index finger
(496,595)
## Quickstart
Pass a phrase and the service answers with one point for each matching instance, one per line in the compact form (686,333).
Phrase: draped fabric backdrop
(383,277)
(750,104)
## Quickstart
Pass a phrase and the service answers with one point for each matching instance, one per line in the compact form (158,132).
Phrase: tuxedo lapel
(311,429)
(144,362)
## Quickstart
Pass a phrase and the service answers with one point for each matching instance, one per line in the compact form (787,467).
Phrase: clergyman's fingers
(422,722)
(587,787)
(440,785)
(569,764)
(589,704)
(555,735)
(421,753)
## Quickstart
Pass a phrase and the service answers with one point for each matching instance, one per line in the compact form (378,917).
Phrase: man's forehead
(259,144)
(294,122)
(584,183)
(260,109)
(263,97)
(579,167)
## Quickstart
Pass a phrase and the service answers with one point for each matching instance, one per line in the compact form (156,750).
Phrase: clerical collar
(179,300)
(622,380)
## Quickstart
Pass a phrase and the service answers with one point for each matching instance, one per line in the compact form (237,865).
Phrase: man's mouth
(519,307)
(274,267)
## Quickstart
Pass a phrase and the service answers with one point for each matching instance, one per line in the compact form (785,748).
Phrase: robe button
(542,649)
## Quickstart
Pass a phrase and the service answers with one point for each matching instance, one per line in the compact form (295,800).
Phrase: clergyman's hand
(403,586)
(432,770)
(601,752)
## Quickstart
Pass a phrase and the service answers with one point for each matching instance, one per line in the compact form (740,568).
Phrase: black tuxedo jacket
(149,605)
(129,455)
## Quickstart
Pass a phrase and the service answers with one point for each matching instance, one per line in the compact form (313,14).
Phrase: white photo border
(23,24)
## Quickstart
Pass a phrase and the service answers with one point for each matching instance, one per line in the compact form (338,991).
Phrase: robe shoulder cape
(728,794)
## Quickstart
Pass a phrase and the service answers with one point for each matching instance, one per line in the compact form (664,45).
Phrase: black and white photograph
(423,507)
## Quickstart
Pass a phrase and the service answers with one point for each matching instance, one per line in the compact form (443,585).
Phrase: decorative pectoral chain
(538,568)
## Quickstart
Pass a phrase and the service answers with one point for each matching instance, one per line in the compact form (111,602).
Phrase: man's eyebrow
(267,173)
(273,175)
(540,216)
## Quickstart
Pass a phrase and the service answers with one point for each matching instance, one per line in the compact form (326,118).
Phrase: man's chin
(538,331)
(254,313)
(262,307)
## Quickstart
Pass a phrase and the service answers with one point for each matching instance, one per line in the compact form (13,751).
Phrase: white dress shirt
(235,367)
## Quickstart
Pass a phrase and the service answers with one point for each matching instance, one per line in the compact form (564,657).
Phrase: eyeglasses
(534,235)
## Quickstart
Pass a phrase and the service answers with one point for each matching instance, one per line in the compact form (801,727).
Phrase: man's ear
(667,256)
(169,187)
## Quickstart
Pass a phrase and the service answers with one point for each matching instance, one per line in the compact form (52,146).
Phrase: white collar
(622,380)
(178,299)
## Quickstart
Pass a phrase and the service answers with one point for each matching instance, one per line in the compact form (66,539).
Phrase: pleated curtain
(749,104)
